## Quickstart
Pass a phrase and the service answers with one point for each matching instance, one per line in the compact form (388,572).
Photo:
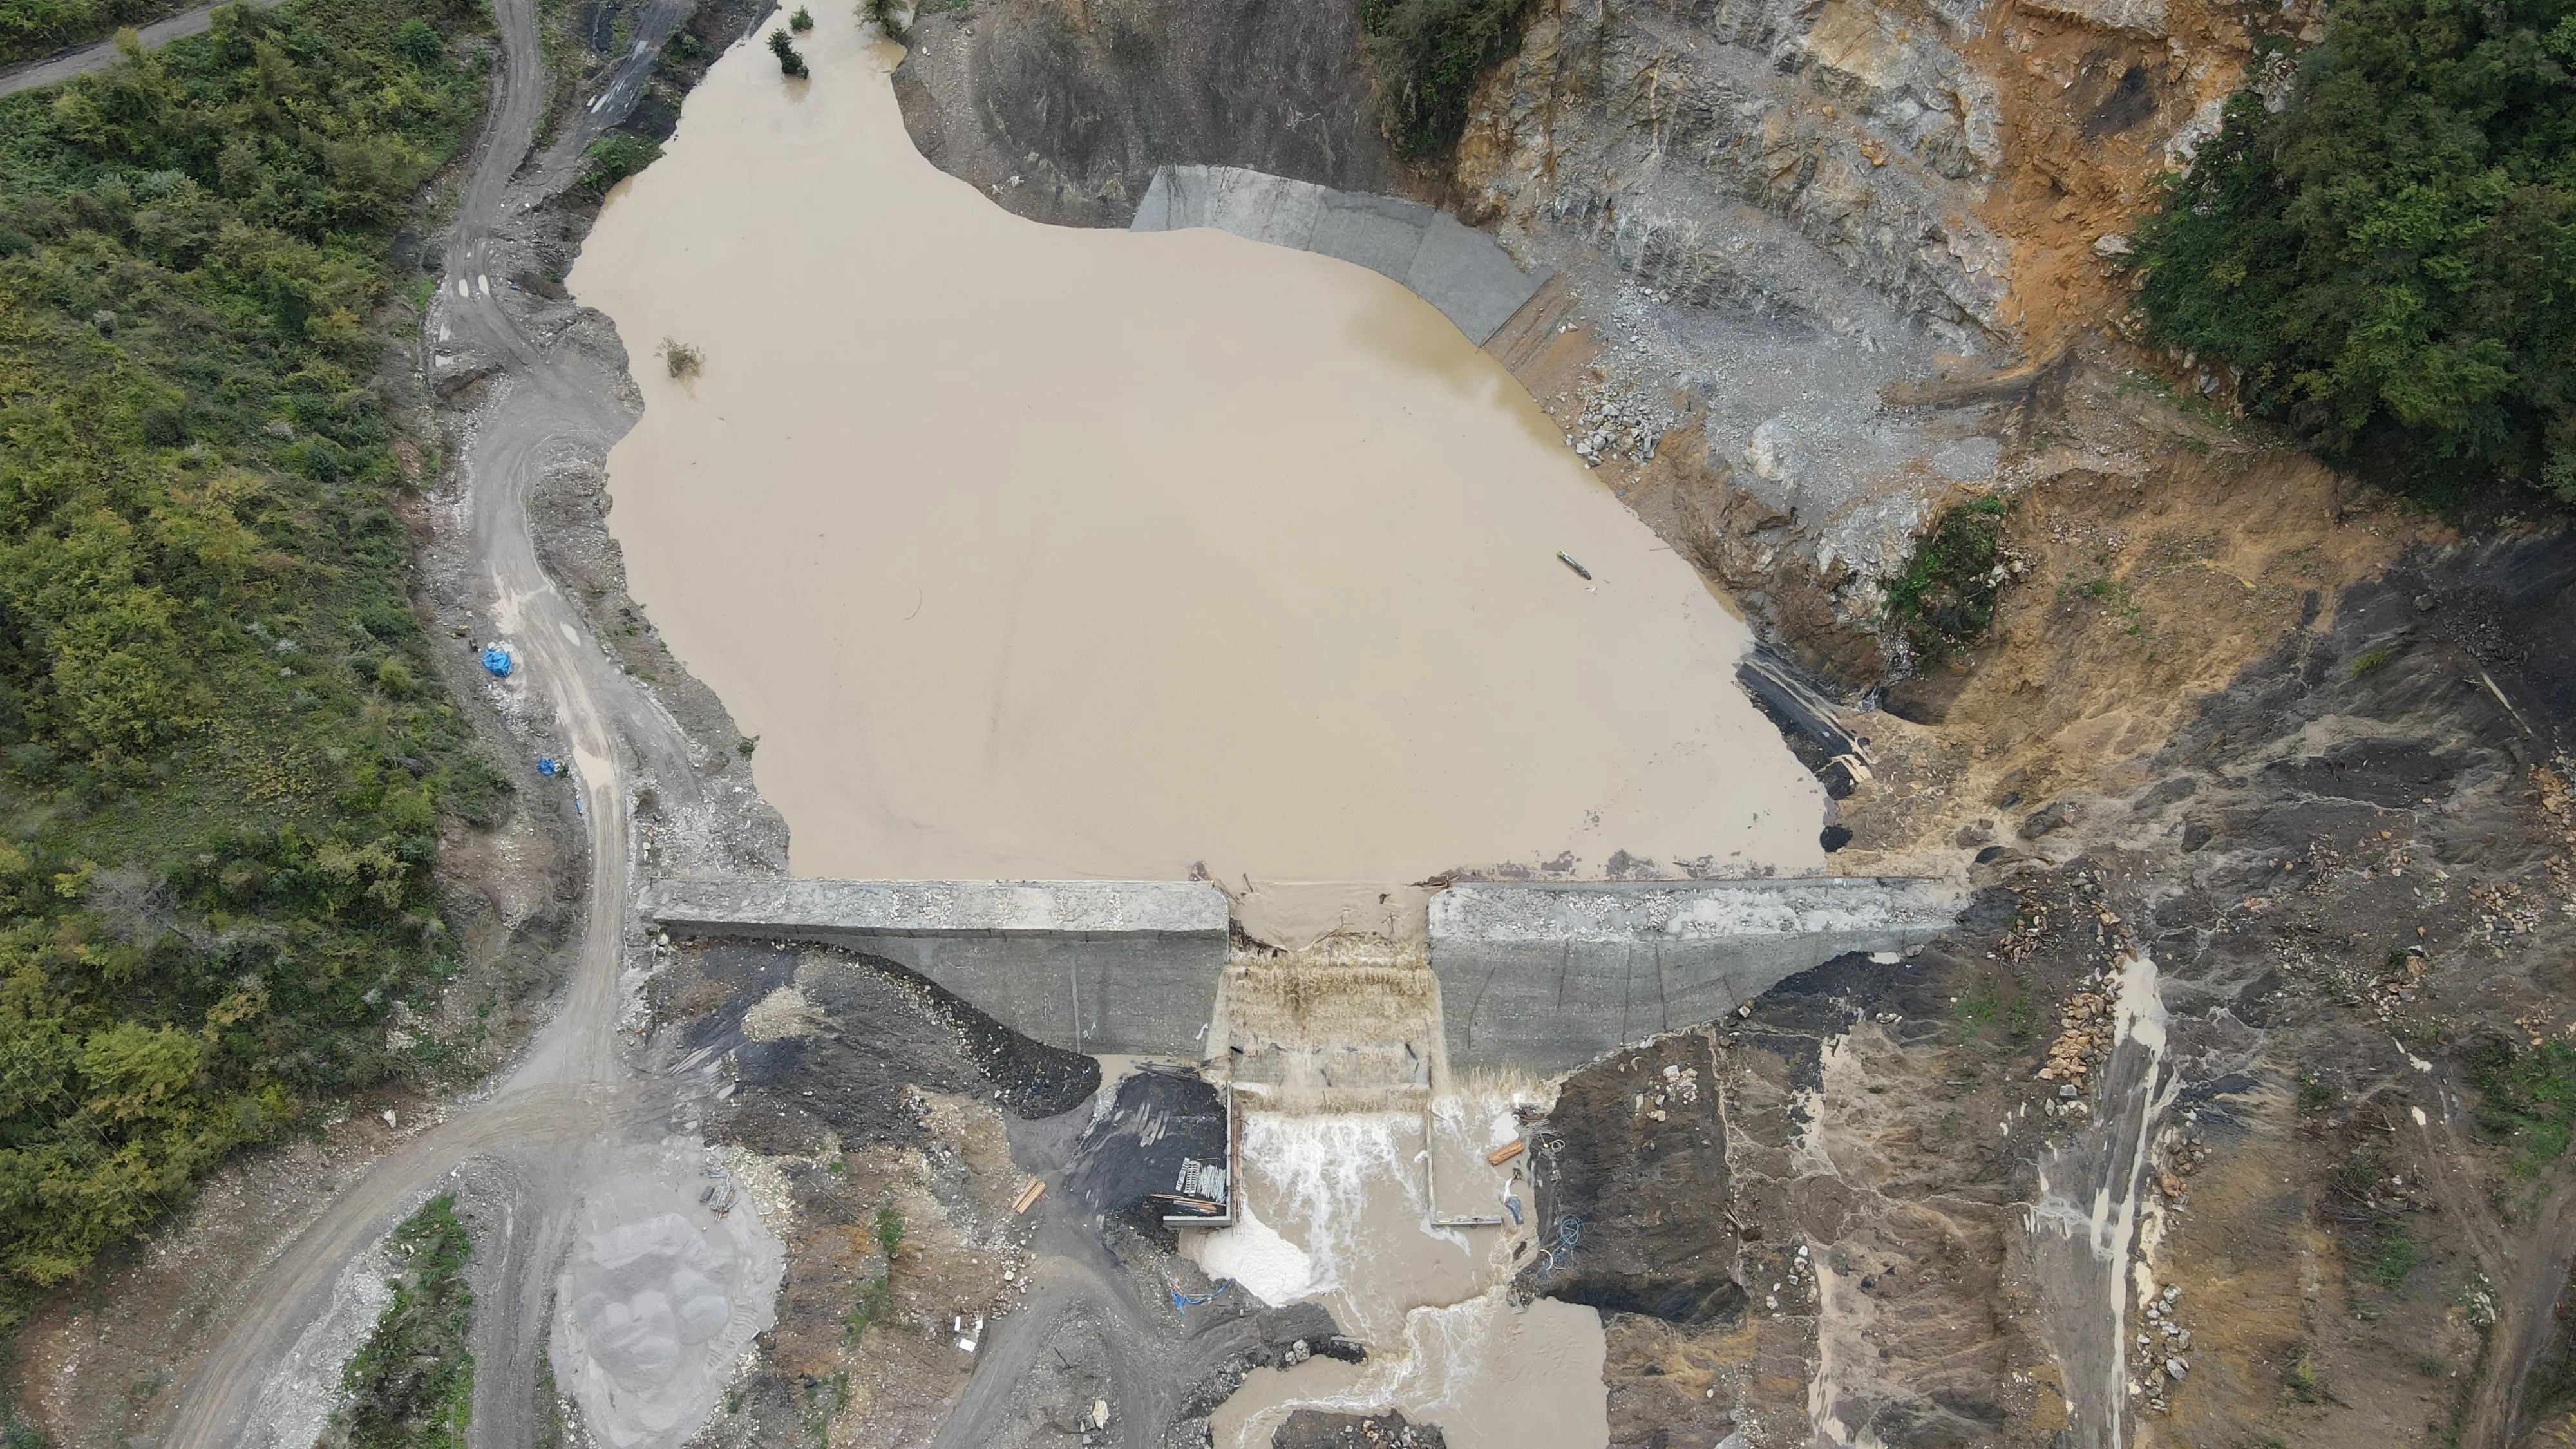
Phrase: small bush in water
(789,62)
(801,21)
(681,358)
(886,15)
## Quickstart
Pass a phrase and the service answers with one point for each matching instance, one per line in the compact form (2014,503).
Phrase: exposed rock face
(1061,109)
(2158,1110)
(1783,227)
(1639,1176)
(1641,129)
(1783,202)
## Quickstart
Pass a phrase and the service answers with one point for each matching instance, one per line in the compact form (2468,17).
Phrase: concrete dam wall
(1452,266)
(1092,966)
(1536,975)
(1552,975)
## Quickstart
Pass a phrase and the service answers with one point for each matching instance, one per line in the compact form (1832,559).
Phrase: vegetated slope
(30,28)
(222,751)
(2387,245)
(412,1382)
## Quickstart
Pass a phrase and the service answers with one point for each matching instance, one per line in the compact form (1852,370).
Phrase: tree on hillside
(1424,59)
(2387,249)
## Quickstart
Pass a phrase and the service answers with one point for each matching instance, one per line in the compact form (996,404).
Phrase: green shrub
(2393,1257)
(2390,257)
(1945,599)
(874,1305)
(2527,1100)
(789,62)
(1425,57)
(612,158)
(886,16)
(32,28)
(2302,1380)
(801,21)
(684,361)
(419,42)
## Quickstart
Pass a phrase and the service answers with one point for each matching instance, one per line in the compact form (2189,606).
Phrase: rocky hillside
(1809,259)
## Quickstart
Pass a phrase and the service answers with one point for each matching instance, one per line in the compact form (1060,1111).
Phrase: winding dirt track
(570,1100)
(99,55)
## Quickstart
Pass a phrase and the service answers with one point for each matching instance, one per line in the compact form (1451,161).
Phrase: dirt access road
(571,1100)
(100,54)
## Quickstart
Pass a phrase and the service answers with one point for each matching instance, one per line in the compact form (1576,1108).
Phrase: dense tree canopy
(220,772)
(2388,249)
(31,28)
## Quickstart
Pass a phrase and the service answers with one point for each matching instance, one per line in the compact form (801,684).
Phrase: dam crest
(1540,976)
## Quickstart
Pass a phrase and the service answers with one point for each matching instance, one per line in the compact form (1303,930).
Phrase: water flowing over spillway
(1036,552)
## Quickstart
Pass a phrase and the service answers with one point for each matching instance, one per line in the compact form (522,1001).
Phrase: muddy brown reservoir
(1037,552)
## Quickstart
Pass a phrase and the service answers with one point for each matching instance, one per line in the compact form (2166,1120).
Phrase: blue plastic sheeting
(497,660)
(548,768)
(1187,1300)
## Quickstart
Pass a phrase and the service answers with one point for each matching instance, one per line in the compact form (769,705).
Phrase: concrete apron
(1458,1028)
(1531,976)
(1463,272)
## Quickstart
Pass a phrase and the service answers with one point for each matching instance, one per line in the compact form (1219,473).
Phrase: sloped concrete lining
(1552,975)
(1535,975)
(1461,271)
(1091,966)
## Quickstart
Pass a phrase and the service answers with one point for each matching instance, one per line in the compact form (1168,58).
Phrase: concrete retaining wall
(1460,270)
(1094,966)
(1550,976)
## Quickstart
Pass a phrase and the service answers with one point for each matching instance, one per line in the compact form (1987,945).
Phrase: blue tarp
(497,660)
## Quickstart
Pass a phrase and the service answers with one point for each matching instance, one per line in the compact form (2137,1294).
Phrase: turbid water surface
(1036,552)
